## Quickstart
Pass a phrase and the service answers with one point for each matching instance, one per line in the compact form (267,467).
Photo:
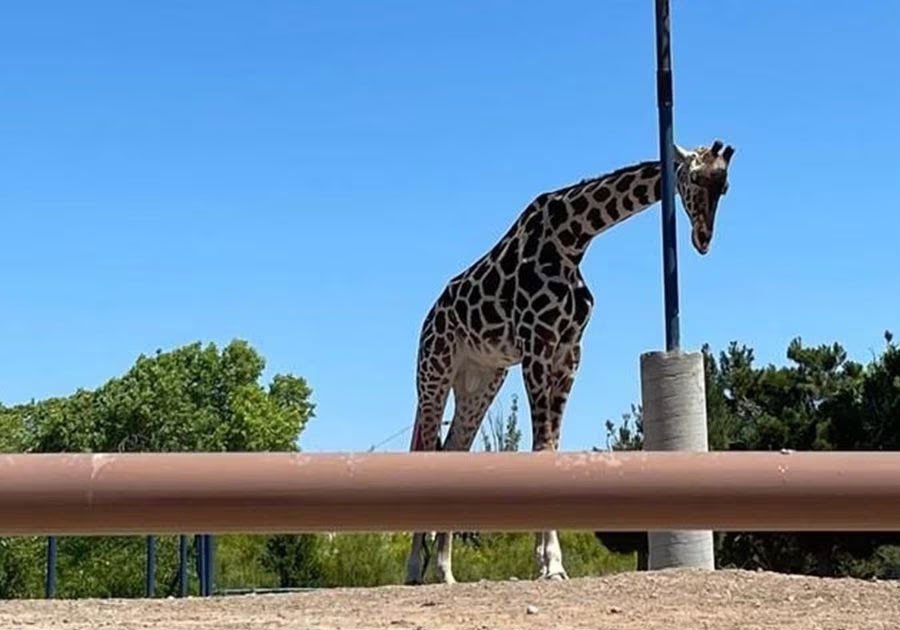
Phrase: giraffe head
(702,178)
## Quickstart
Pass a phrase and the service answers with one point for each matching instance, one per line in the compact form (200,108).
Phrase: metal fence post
(50,584)
(183,565)
(200,546)
(150,577)
(210,564)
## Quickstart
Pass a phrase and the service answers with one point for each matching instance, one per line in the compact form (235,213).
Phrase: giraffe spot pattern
(566,238)
(507,293)
(650,171)
(461,310)
(579,204)
(595,217)
(558,212)
(540,302)
(625,182)
(602,194)
(640,192)
(612,210)
(529,280)
(491,314)
(521,301)
(510,259)
(531,245)
(475,319)
(491,282)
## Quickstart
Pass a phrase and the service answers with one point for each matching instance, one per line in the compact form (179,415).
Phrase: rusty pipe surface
(92,494)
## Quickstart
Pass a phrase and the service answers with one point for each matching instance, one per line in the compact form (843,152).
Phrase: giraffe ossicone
(526,302)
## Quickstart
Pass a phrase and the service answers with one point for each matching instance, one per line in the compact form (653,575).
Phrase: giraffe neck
(576,214)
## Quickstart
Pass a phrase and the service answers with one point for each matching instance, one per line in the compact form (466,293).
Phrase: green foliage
(502,434)
(194,398)
(584,557)
(241,562)
(494,556)
(820,400)
(500,556)
(624,437)
(365,559)
(111,566)
(22,562)
(376,559)
(294,559)
(13,436)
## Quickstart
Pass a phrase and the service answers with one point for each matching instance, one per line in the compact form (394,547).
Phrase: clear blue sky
(308,175)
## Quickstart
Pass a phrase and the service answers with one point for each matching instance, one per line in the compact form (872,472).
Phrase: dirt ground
(669,599)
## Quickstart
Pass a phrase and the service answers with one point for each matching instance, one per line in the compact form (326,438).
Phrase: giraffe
(525,302)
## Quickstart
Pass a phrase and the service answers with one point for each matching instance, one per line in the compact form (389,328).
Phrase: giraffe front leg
(549,556)
(473,390)
(444,545)
(549,383)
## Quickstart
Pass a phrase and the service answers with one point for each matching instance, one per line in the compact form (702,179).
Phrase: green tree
(193,398)
(820,400)
(12,431)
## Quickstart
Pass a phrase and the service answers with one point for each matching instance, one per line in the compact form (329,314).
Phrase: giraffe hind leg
(473,390)
(426,437)
(435,373)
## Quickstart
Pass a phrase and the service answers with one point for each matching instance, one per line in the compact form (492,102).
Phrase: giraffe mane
(599,178)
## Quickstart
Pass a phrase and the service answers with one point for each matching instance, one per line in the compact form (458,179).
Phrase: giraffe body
(526,302)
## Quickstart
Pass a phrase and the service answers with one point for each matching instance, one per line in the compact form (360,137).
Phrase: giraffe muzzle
(701,241)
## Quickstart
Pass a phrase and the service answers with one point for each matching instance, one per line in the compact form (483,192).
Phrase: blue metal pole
(667,152)
(50,584)
(205,564)
(210,564)
(201,569)
(150,578)
(183,565)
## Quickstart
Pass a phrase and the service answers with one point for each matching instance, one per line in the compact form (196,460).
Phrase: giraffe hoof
(414,578)
(557,576)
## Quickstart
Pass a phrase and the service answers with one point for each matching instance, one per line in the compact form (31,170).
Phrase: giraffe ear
(680,154)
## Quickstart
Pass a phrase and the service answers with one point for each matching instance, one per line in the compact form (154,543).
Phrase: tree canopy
(193,398)
(819,400)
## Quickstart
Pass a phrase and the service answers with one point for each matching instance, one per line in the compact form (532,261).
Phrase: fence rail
(102,494)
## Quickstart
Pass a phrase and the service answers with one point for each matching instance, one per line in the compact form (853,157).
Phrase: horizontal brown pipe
(243,492)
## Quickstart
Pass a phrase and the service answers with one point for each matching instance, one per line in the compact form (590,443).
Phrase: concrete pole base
(681,550)
(673,395)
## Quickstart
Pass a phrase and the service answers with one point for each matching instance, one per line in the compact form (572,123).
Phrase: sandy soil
(670,599)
